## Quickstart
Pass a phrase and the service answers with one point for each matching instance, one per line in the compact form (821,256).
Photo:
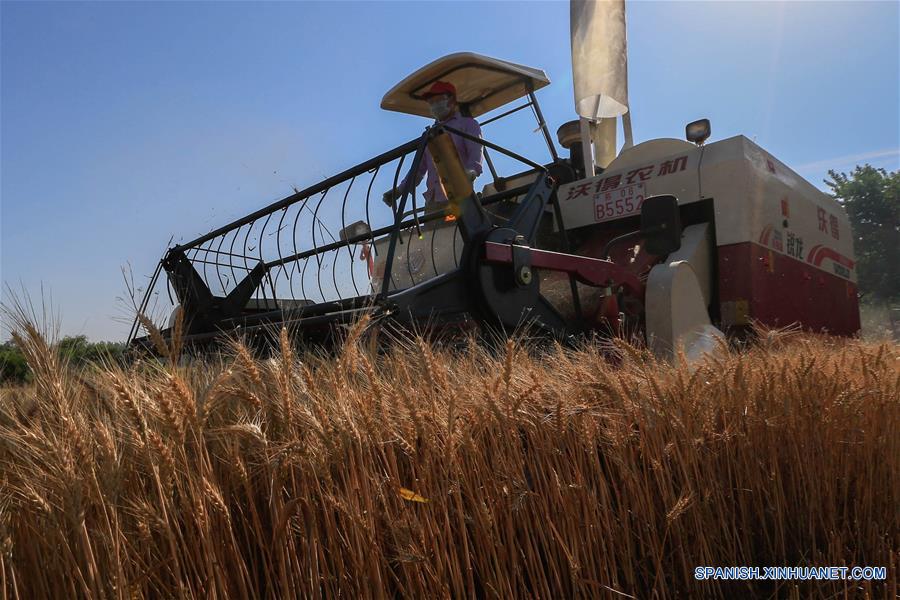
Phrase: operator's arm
(415,178)
(418,175)
(472,154)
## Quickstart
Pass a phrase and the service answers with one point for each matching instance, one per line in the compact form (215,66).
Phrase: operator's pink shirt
(469,154)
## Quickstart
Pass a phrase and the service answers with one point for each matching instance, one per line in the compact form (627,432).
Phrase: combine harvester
(679,241)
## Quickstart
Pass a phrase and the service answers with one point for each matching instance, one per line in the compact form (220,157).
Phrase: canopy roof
(482,84)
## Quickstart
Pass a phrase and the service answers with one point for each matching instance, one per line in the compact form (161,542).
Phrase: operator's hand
(390,195)
(472,174)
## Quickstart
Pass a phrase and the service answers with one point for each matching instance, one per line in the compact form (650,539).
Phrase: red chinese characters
(672,166)
(610,183)
(823,220)
(642,174)
(828,223)
(577,191)
(634,176)
(835,232)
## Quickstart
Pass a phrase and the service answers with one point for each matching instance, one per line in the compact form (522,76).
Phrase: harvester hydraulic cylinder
(457,184)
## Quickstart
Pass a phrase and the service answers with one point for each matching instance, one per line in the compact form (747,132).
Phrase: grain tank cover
(482,84)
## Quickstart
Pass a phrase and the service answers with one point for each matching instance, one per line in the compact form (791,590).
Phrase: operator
(441,98)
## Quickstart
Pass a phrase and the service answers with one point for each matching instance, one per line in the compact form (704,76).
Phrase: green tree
(871,198)
(76,349)
(80,351)
(13,368)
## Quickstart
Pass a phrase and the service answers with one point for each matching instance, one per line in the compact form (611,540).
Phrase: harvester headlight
(698,131)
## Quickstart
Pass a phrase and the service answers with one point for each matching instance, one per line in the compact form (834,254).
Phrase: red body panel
(588,270)
(762,285)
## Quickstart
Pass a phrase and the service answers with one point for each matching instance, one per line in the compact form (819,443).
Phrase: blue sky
(124,124)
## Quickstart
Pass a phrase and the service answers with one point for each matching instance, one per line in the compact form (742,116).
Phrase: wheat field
(425,472)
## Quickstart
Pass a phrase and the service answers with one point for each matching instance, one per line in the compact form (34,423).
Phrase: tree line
(77,350)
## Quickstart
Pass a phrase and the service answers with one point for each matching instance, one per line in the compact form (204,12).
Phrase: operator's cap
(438,88)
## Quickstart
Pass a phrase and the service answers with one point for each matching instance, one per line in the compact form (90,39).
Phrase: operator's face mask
(440,107)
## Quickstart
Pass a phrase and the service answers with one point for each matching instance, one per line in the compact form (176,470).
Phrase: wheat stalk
(420,471)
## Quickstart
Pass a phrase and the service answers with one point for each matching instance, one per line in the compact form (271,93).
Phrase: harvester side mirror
(661,225)
(355,230)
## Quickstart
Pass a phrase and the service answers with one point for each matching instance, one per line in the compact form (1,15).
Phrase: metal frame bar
(398,213)
(507,113)
(135,326)
(494,146)
(314,189)
(493,198)
(543,125)
(591,271)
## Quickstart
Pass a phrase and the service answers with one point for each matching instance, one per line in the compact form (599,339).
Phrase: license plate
(621,202)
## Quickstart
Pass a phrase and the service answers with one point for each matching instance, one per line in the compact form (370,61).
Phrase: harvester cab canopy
(482,84)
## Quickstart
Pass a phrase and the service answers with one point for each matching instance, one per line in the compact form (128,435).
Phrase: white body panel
(418,259)
(678,292)
(437,252)
(756,198)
